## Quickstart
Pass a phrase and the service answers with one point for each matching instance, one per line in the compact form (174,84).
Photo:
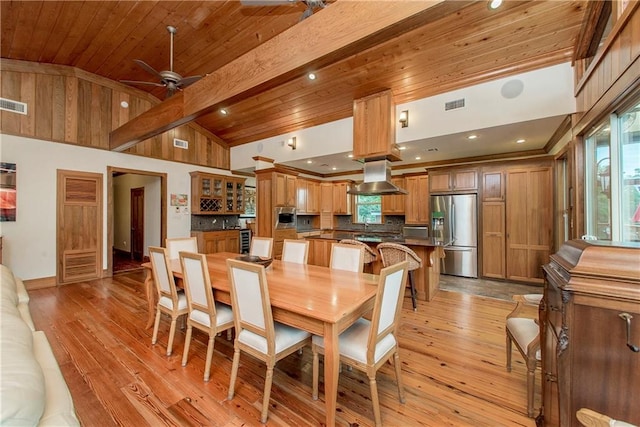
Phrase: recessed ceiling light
(472,136)
(309,161)
(520,141)
(403,147)
(334,168)
(494,4)
(350,156)
(418,157)
(311,76)
(223,112)
(124,104)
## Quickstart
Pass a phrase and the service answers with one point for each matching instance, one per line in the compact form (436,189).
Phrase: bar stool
(370,255)
(393,253)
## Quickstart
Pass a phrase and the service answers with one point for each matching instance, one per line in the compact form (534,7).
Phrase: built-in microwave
(285,217)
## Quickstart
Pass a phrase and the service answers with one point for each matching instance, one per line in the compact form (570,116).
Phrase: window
(613,178)
(369,209)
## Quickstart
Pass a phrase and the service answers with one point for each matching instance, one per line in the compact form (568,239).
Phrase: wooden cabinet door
(290,182)
(326,197)
(280,189)
(439,182)
(417,201)
(493,240)
(302,195)
(341,200)
(232,241)
(529,223)
(374,132)
(313,197)
(394,205)
(463,180)
(493,186)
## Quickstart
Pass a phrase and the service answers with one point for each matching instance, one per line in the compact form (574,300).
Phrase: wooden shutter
(79,226)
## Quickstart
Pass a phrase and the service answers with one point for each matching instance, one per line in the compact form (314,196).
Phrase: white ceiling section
(530,106)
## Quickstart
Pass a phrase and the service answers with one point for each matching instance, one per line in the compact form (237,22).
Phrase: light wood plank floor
(452,352)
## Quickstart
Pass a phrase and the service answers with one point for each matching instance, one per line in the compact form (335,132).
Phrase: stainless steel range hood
(377,180)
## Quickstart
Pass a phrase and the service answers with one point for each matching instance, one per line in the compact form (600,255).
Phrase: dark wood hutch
(590,332)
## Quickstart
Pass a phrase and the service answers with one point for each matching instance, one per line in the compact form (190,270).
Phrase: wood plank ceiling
(460,44)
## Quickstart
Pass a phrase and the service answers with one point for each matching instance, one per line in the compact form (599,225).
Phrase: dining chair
(347,257)
(261,246)
(256,332)
(370,255)
(179,244)
(295,251)
(169,300)
(524,332)
(204,313)
(393,253)
(589,418)
(368,344)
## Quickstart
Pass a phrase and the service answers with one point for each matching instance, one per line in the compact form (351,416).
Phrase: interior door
(137,223)
(79,226)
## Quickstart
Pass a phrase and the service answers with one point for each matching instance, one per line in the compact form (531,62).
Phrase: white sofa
(33,391)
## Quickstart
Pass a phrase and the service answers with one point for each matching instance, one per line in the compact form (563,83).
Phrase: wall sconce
(404,118)
(291,142)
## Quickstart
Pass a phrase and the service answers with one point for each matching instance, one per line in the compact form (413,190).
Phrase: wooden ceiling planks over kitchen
(459,44)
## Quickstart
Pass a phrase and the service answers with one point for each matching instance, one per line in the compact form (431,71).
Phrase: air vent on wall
(13,106)
(452,105)
(181,143)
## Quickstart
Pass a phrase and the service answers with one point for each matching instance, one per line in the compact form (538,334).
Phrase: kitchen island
(430,251)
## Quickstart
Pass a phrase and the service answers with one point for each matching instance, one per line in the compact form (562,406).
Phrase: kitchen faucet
(366,225)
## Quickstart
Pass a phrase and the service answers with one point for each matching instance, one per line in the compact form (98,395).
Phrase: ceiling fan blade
(136,82)
(148,68)
(188,81)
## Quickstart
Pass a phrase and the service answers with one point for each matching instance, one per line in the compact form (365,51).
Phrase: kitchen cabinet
(590,288)
(456,180)
(341,200)
(216,194)
(374,127)
(529,222)
(320,251)
(417,200)
(493,186)
(493,240)
(284,190)
(307,196)
(234,195)
(210,242)
(326,197)
(394,205)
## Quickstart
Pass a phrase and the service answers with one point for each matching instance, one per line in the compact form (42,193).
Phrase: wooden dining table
(316,299)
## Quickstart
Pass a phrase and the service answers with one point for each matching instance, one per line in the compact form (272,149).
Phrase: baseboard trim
(41,283)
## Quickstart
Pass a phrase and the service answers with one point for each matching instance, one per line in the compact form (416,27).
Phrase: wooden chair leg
(375,400)
(156,325)
(268,380)
(172,333)
(187,344)
(531,384)
(234,373)
(316,374)
(207,363)
(508,351)
(413,291)
(396,362)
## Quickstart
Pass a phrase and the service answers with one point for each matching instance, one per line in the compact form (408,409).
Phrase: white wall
(546,92)
(29,243)
(122,186)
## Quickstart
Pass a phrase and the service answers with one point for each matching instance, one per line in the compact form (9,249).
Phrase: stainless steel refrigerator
(459,226)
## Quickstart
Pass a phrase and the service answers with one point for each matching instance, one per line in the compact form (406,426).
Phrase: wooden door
(79,226)
(493,240)
(137,223)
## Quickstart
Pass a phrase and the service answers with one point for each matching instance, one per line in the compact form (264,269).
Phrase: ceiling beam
(338,31)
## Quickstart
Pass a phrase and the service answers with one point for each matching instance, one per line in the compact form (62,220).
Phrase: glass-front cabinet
(216,194)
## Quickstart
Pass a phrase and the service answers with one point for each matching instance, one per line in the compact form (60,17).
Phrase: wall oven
(284,217)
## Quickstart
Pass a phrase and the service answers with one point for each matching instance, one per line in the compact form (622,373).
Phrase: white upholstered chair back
(197,284)
(250,298)
(295,251)
(179,244)
(347,257)
(162,275)
(388,301)
(261,246)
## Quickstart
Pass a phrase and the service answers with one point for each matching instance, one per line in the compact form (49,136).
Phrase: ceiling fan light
(311,76)
(223,112)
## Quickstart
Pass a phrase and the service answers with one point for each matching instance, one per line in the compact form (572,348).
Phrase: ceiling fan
(168,78)
(311,5)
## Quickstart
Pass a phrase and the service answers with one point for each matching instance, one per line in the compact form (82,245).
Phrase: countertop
(373,238)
